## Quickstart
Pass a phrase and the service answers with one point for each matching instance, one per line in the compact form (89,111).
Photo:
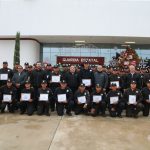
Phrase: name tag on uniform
(116,82)
(3,76)
(87,82)
(62,97)
(82,99)
(114,99)
(56,79)
(25,96)
(43,97)
(97,98)
(7,98)
(132,99)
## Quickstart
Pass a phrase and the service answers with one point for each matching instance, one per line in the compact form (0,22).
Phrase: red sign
(80,60)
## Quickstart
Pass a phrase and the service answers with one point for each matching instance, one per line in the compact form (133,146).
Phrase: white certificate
(43,97)
(56,79)
(7,98)
(82,99)
(116,82)
(3,76)
(62,97)
(97,98)
(25,96)
(114,99)
(149,97)
(132,99)
(87,82)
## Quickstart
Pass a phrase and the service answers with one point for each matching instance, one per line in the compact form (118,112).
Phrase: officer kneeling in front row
(115,102)
(82,100)
(133,99)
(64,99)
(44,97)
(8,97)
(98,101)
(26,100)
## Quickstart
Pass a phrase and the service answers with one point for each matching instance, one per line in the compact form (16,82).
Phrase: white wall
(29,52)
(75,17)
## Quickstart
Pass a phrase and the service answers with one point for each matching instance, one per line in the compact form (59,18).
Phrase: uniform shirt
(9,91)
(85,93)
(102,94)
(116,93)
(66,91)
(135,92)
(146,93)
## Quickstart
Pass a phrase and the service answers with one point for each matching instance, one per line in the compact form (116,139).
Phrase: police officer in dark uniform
(114,100)
(54,84)
(82,100)
(26,104)
(8,96)
(45,96)
(5,74)
(98,100)
(64,99)
(133,98)
(29,72)
(26,65)
(36,78)
(87,73)
(146,99)
(48,72)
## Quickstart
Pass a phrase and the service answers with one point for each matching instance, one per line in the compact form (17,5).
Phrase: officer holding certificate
(98,100)
(8,96)
(64,99)
(26,100)
(114,100)
(44,97)
(82,100)
(133,98)
(146,99)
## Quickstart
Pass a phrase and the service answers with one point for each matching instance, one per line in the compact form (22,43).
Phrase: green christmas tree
(17,49)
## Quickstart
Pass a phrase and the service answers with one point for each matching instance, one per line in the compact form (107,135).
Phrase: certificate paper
(82,99)
(43,97)
(87,82)
(114,99)
(97,98)
(62,97)
(56,79)
(132,99)
(25,96)
(7,98)
(3,76)
(149,97)
(116,82)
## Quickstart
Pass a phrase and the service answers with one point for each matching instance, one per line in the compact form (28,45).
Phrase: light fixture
(125,45)
(79,41)
(129,42)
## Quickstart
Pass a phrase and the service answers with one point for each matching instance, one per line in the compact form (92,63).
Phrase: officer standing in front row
(133,98)
(44,98)
(146,99)
(98,101)
(8,97)
(64,99)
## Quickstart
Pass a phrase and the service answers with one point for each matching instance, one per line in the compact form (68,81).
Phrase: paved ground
(19,132)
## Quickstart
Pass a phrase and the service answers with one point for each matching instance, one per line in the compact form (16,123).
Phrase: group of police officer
(89,90)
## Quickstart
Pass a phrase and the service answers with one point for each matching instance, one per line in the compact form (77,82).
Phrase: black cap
(30,66)
(17,63)
(5,62)
(86,62)
(63,81)
(82,84)
(56,66)
(108,67)
(113,84)
(63,65)
(98,85)
(43,82)
(27,82)
(133,82)
(26,63)
(115,69)
(126,67)
(9,80)
(49,65)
